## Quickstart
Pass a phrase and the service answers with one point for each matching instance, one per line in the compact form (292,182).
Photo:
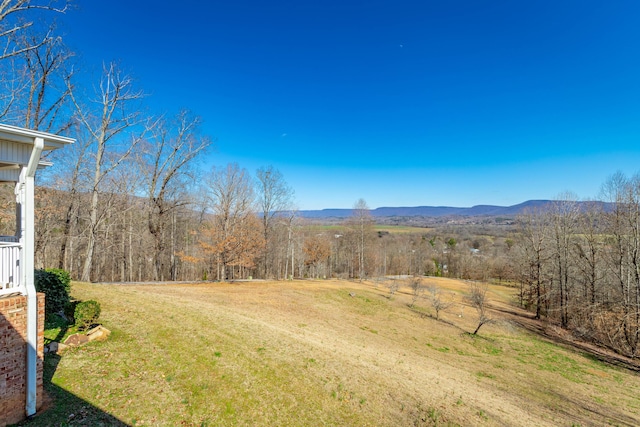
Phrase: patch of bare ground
(334,353)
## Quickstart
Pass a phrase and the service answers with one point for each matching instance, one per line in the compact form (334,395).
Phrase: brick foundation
(13,357)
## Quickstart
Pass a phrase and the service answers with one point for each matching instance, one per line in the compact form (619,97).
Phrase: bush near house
(55,284)
(63,276)
(86,313)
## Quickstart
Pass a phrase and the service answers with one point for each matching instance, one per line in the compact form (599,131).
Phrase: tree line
(579,265)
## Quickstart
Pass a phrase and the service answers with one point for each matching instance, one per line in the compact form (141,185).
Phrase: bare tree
(290,224)
(233,236)
(417,290)
(274,198)
(113,123)
(436,298)
(589,248)
(33,62)
(478,299)
(164,160)
(13,24)
(362,223)
(47,216)
(27,48)
(393,286)
(534,258)
(45,71)
(564,216)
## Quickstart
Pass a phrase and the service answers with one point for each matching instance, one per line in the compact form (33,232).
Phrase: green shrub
(63,276)
(87,313)
(55,284)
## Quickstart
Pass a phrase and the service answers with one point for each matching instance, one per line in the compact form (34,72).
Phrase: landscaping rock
(76,339)
(99,333)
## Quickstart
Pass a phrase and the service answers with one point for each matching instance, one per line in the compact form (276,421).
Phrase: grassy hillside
(323,353)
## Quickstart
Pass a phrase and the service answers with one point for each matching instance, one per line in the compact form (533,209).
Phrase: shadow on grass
(546,330)
(62,408)
(55,321)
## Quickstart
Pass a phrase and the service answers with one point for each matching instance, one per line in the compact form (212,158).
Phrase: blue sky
(402,103)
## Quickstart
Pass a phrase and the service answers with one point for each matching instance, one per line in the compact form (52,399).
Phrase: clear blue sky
(402,103)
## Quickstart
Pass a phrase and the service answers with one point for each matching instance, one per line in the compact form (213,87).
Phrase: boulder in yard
(99,333)
(76,339)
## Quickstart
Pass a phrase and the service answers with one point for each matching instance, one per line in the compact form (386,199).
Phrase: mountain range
(442,211)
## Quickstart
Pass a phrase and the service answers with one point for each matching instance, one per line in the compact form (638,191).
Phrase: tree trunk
(91,243)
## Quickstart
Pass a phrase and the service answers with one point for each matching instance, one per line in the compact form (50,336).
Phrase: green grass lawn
(309,353)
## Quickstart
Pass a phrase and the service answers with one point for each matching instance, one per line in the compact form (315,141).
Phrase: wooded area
(581,266)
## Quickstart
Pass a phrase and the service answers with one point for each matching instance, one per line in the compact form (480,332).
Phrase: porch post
(27,239)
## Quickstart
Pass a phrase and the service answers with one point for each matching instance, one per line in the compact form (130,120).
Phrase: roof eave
(27,136)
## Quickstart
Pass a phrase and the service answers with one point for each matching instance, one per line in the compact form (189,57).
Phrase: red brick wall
(13,357)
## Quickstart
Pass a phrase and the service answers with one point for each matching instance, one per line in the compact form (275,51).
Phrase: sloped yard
(323,353)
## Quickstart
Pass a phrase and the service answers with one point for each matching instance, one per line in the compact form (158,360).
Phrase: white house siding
(11,175)
(14,153)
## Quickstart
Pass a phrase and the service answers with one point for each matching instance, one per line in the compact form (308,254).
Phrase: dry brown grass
(307,353)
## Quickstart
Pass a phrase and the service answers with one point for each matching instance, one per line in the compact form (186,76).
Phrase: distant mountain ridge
(441,211)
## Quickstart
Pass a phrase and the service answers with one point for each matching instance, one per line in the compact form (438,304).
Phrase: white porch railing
(10,266)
